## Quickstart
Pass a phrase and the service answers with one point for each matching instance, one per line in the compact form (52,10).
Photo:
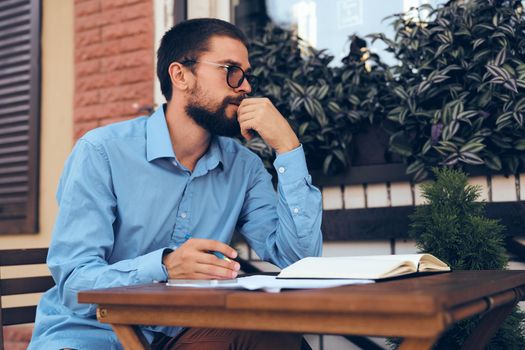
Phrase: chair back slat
(12,257)
(26,285)
(18,315)
(15,286)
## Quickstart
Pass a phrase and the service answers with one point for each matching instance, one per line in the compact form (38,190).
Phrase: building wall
(114,61)
(56,122)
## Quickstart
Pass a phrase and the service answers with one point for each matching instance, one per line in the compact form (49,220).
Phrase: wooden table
(417,309)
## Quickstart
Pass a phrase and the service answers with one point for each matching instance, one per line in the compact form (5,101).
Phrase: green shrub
(452,226)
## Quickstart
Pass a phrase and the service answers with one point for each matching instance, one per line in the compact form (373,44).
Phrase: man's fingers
(211,259)
(254,100)
(216,271)
(243,109)
(246,134)
(224,249)
(246,129)
(212,245)
(246,116)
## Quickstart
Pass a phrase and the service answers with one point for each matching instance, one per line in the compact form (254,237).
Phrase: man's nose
(245,87)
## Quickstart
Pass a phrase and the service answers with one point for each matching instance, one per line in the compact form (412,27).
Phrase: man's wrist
(289,147)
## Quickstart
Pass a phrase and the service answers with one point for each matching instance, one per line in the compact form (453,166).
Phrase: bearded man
(148,199)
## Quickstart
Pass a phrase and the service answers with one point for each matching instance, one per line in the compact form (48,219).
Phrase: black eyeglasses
(235,75)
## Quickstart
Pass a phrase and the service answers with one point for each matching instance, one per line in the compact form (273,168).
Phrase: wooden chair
(14,286)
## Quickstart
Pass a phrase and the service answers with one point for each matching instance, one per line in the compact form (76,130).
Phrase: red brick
(87,68)
(130,28)
(114,61)
(112,94)
(137,42)
(130,13)
(112,48)
(88,37)
(91,113)
(87,8)
(140,10)
(125,92)
(109,110)
(109,4)
(90,22)
(92,82)
(134,75)
(124,108)
(117,15)
(123,77)
(99,50)
(87,98)
(130,60)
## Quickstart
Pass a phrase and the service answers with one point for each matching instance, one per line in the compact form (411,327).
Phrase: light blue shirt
(124,199)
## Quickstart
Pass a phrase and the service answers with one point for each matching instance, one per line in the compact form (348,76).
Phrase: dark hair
(186,41)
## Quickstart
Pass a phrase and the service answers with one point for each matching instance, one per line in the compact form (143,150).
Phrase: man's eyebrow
(235,63)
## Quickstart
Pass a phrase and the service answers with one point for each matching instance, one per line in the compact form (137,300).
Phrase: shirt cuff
(150,267)
(291,166)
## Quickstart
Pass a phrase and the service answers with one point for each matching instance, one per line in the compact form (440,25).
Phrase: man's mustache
(234,100)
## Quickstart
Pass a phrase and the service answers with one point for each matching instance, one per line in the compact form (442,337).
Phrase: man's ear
(179,76)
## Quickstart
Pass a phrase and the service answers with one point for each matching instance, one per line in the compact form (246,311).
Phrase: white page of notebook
(363,267)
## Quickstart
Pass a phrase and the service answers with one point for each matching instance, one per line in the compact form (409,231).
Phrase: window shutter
(19,114)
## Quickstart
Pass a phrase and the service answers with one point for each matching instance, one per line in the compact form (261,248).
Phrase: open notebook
(329,272)
(363,267)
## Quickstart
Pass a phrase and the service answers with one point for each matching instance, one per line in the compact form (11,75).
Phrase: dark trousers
(226,339)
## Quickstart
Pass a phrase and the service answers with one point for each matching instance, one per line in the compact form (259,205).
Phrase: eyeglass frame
(228,67)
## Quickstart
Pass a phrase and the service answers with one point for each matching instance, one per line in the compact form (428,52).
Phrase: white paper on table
(268,283)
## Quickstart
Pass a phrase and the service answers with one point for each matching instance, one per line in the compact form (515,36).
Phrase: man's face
(211,102)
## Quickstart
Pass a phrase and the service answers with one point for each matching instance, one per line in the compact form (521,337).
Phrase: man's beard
(215,121)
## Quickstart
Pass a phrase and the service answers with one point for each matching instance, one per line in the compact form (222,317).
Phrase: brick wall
(114,61)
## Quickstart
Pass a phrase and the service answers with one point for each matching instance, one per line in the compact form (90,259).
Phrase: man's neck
(189,140)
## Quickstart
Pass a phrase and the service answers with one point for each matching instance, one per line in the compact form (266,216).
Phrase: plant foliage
(452,226)
(456,96)
(325,105)
(459,86)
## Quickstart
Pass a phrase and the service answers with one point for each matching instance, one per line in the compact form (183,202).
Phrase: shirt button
(183,215)
(296,210)
(282,169)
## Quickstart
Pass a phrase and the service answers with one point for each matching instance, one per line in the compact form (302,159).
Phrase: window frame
(29,222)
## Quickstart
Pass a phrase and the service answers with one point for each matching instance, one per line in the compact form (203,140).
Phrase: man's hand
(259,114)
(193,260)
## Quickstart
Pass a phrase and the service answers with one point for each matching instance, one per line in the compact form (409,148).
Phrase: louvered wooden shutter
(19,114)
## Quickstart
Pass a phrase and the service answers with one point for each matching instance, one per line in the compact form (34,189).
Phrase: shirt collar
(212,158)
(158,143)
